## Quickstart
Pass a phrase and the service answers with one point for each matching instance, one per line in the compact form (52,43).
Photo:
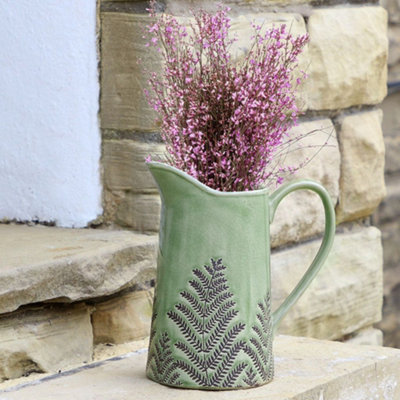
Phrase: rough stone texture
(393,8)
(367,337)
(391,240)
(52,264)
(392,157)
(123,104)
(182,7)
(301,214)
(124,318)
(390,324)
(140,212)
(394,51)
(391,115)
(387,215)
(44,340)
(124,165)
(389,209)
(305,369)
(362,185)
(241,26)
(348,54)
(346,295)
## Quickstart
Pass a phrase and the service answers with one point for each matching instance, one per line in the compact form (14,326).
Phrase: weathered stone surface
(111,202)
(389,209)
(124,165)
(391,115)
(394,51)
(367,337)
(306,369)
(346,295)
(124,318)
(390,323)
(390,241)
(241,25)
(348,55)
(362,185)
(140,212)
(53,264)
(301,214)
(393,8)
(123,104)
(392,156)
(182,7)
(44,340)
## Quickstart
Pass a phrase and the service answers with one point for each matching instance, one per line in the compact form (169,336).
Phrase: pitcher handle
(323,251)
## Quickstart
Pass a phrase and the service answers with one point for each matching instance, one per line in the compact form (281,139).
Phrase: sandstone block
(346,295)
(393,8)
(44,340)
(389,209)
(390,323)
(241,25)
(348,55)
(390,241)
(394,51)
(362,185)
(306,369)
(367,337)
(124,318)
(52,264)
(123,104)
(182,7)
(391,116)
(124,165)
(140,212)
(301,214)
(392,157)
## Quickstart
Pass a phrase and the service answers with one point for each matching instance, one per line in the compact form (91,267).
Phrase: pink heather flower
(224,123)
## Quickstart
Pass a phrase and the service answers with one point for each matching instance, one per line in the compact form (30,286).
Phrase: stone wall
(388,215)
(346,59)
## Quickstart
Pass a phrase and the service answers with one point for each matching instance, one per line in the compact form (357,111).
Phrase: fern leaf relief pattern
(212,350)
(161,366)
(259,347)
(205,319)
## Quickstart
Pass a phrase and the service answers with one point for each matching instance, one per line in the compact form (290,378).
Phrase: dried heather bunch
(223,122)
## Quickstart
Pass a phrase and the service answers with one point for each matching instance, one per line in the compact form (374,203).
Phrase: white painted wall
(49,133)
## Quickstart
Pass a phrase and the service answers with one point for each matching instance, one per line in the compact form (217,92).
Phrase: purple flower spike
(224,122)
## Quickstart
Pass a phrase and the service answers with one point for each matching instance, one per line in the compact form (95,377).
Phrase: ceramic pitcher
(212,325)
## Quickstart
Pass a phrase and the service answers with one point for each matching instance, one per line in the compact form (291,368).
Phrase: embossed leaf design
(206,320)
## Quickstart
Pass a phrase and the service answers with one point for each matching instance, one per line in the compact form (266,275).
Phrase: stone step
(41,264)
(60,289)
(305,369)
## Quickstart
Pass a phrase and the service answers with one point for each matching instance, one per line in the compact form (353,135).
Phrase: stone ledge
(39,264)
(305,369)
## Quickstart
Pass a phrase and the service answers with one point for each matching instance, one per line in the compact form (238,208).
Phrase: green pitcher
(212,325)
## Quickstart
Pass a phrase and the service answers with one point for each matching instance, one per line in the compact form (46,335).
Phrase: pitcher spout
(171,181)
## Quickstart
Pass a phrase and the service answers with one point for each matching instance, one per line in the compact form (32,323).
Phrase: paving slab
(54,264)
(306,369)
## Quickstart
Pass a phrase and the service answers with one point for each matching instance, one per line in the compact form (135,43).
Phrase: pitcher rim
(202,186)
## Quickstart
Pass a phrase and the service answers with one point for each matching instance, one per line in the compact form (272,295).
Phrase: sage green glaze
(229,233)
